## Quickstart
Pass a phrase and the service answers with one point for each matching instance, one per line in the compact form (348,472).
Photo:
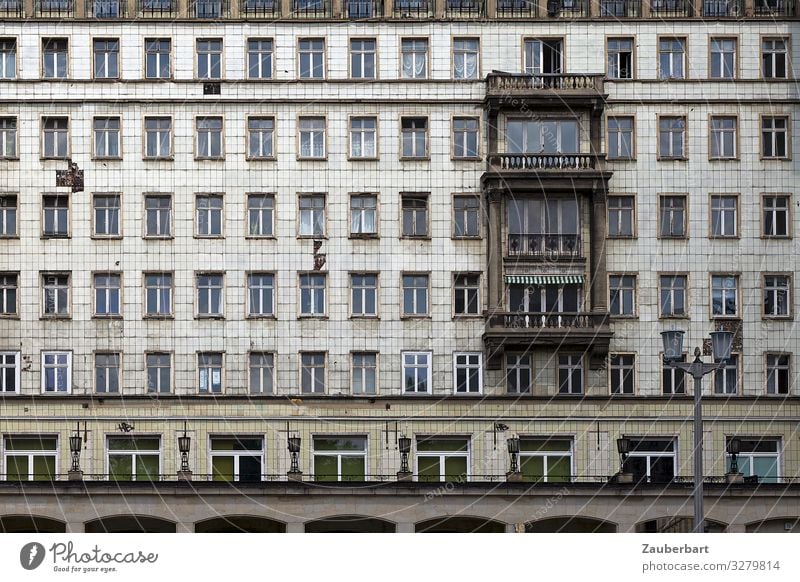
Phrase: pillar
(404,528)
(597,269)
(494,270)
(295,527)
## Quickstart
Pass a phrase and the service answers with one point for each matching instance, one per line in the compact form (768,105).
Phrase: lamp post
(184,446)
(623,448)
(75,441)
(294,474)
(513,451)
(733,447)
(673,354)
(404,444)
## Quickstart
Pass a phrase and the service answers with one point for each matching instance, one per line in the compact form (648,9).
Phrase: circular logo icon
(31,555)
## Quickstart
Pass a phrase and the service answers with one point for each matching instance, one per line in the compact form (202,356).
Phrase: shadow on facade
(677,524)
(570,524)
(460,524)
(130,524)
(239,524)
(30,524)
(350,524)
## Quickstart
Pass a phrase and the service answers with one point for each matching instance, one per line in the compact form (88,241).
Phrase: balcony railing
(670,8)
(520,83)
(359,9)
(412,8)
(549,320)
(463,8)
(11,8)
(311,9)
(545,246)
(516,8)
(567,8)
(54,8)
(620,8)
(773,8)
(106,8)
(209,9)
(543,161)
(157,8)
(722,8)
(260,8)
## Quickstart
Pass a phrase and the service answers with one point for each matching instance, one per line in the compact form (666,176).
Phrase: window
(9,372)
(106,137)
(536,136)
(262,372)
(466,213)
(414,58)
(209,214)
(620,138)
(30,457)
(159,373)
(547,227)
(55,137)
(107,373)
(312,58)
(157,137)
(55,63)
(260,214)
(414,136)
(56,372)
(107,292)
(414,214)
(544,56)
(261,294)
(312,214)
(209,369)
(209,137)
(340,458)
(620,58)
(364,293)
(312,372)
(106,215)
(776,216)
(673,381)
(777,296)
(157,58)
(723,58)
(362,58)
(724,216)
(158,294)
(726,378)
(416,372)
(312,294)
(723,138)
(134,458)
(548,460)
(671,58)
(364,377)
(621,216)
(774,137)
(518,373)
(672,289)
(158,215)
(259,58)
(622,373)
(672,217)
(724,295)
(55,209)
(363,132)
(757,457)
(8,58)
(8,137)
(312,137)
(237,458)
(651,460)
(465,137)
(8,215)
(466,291)
(442,459)
(672,138)
(415,295)
(55,294)
(467,375)
(260,137)
(209,58)
(570,374)
(778,373)
(774,58)
(9,290)
(364,215)
(466,54)
(106,58)
(210,300)
(622,301)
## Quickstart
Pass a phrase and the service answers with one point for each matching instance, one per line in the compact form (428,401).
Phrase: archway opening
(239,524)
(570,524)
(460,524)
(775,525)
(677,524)
(130,524)
(31,524)
(350,524)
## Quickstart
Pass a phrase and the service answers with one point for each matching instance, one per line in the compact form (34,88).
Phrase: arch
(774,525)
(677,524)
(460,524)
(350,524)
(31,524)
(130,524)
(239,524)
(571,524)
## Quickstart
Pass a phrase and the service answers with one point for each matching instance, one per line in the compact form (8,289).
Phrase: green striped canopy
(545,279)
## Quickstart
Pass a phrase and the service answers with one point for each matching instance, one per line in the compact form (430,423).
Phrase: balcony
(311,9)
(722,8)
(54,8)
(412,8)
(620,8)
(563,91)
(463,9)
(361,9)
(545,173)
(544,246)
(260,8)
(526,162)
(670,8)
(11,9)
(516,9)
(209,9)
(773,8)
(106,9)
(567,8)
(157,8)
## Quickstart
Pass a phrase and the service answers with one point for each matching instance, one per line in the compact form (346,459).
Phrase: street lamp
(733,448)
(721,342)
(294,450)
(75,442)
(184,446)
(404,443)
(513,450)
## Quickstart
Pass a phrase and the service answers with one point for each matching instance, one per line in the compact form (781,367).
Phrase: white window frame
(9,294)
(311,49)
(54,137)
(206,129)
(158,367)
(363,205)
(312,369)
(308,215)
(212,285)
(57,365)
(339,454)
(414,58)
(262,137)
(474,361)
(207,58)
(521,362)
(158,57)
(779,207)
(8,58)
(725,374)
(722,136)
(263,370)
(98,389)
(362,56)
(106,213)
(724,291)
(465,285)
(53,288)
(157,211)
(363,138)
(206,207)
(106,291)
(363,371)
(237,454)
(264,55)
(30,454)
(9,126)
(208,370)
(675,59)
(722,58)
(15,365)
(134,453)
(421,305)
(770,54)
(311,132)
(261,219)
(724,218)
(159,289)
(108,58)
(163,147)
(443,455)
(264,308)
(775,288)
(420,368)
(466,57)
(313,289)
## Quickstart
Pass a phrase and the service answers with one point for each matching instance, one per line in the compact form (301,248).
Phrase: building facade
(354,223)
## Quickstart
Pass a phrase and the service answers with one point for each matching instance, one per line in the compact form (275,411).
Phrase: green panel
(120,467)
(133,443)
(532,467)
(340,444)
(559,469)
(326,468)
(236,444)
(147,467)
(544,445)
(428,468)
(353,469)
(222,468)
(16,468)
(30,443)
(455,468)
(44,468)
(443,445)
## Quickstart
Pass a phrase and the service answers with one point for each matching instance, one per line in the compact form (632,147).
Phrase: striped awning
(544,279)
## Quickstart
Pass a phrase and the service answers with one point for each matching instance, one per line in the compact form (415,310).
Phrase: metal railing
(516,9)
(545,320)
(260,8)
(209,9)
(311,9)
(670,8)
(106,9)
(54,8)
(773,8)
(463,8)
(156,8)
(524,83)
(722,8)
(359,9)
(543,161)
(12,8)
(412,8)
(545,246)
(567,8)
(620,8)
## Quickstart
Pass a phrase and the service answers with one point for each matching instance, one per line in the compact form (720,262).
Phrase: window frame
(5,290)
(120,138)
(69,372)
(313,367)
(66,234)
(775,210)
(210,291)
(150,39)
(415,196)
(364,373)
(353,290)
(620,158)
(298,42)
(235,456)
(545,455)
(416,366)
(468,366)
(454,140)
(30,454)
(787,138)
(722,132)
(211,370)
(247,221)
(170,133)
(516,368)
(466,289)
(719,197)
(170,214)
(312,196)
(608,54)
(93,45)
(736,57)
(660,156)
(171,373)
(546,39)
(752,455)
(43,155)
(43,41)
(210,156)
(677,377)
(350,53)
(442,456)
(209,196)
(616,387)
(571,367)
(363,235)
(338,454)
(299,137)
(426,73)
(313,291)
(633,209)
(789,296)
(95,289)
(95,367)
(95,233)
(272,59)
(787,56)
(478,219)
(158,315)
(249,155)
(4,211)
(661,197)
(17,366)
(416,314)
(634,295)
(737,296)
(478,72)
(209,63)
(413,131)
(4,143)
(735,361)
(134,453)
(350,132)
(271,313)
(684,59)
(271,367)
(686,295)
(15,71)
(43,286)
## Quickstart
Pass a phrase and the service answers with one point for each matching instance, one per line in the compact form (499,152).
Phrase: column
(491,8)
(183,8)
(404,528)
(438,8)
(181,527)
(75,527)
(80,7)
(597,265)
(494,268)
(338,9)
(295,527)
(28,7)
